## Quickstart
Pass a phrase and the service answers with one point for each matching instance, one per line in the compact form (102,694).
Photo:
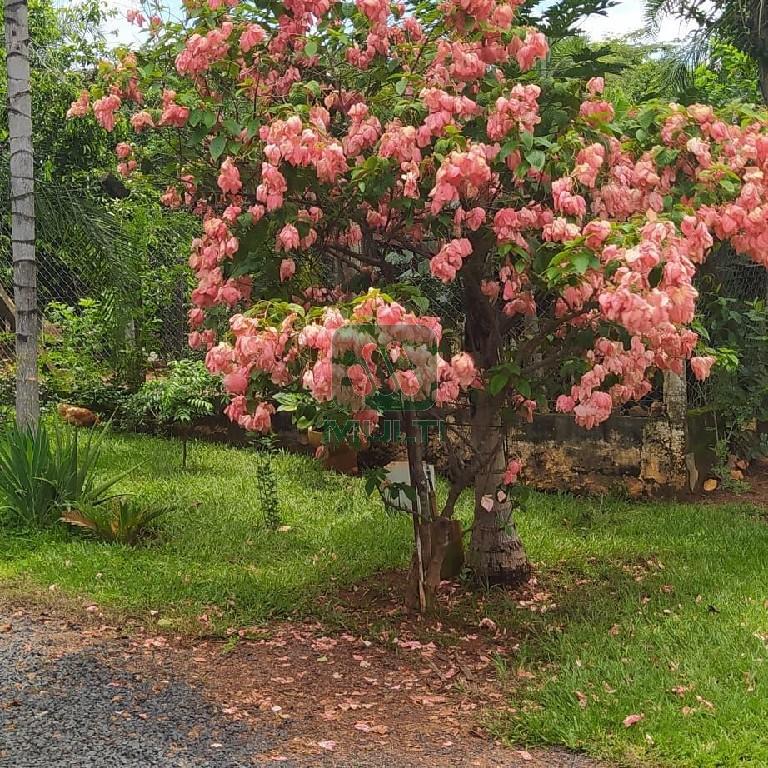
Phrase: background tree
(66,47)
(94,247)
(740,23)
(22,211)
(644,71)
(726,76)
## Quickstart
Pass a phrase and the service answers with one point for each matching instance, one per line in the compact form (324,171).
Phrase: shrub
(736,331)
(188,393)
(45,470)
(85,358)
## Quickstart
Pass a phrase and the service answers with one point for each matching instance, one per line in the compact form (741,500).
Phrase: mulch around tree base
(79,693)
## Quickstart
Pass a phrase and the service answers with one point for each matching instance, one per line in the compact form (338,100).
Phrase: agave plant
(123,521)
(74,469)
(29,495)
(45,470)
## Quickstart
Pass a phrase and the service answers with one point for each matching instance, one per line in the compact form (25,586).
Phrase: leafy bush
(81,359)
(77,342)
(44,471)
(188,393)
(122,521)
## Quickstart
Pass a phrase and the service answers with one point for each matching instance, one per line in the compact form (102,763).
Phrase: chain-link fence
(732,307)
(126,260)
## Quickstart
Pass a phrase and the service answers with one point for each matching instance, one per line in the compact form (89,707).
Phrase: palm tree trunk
(22,211)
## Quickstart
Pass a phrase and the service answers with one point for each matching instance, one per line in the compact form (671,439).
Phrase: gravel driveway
(75,696)
(79,710)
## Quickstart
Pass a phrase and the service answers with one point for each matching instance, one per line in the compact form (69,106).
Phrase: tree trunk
(436,541)
(497,554)
(438,551)
(417,594)
(22,212)
(764,79)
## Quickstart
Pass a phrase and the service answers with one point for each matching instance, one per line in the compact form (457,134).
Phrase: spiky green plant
(28,494)
(122,521)
(44,470)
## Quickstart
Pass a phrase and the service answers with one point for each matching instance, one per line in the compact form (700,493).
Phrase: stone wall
(636,455)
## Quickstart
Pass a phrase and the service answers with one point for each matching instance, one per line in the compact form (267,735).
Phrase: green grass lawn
(651,598)
(213,550)
(658,605)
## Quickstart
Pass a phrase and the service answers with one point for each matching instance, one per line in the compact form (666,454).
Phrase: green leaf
(667,156)
(498,382)
(217,146)
(523,386)
(537,159)
(233,127)
(581,263)
(310,49)
(647,118)
(508,148)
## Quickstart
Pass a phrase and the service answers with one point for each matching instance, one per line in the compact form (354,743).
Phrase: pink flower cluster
(104,110)
(587,402)
(127,164)
(462,174)
(229,178)
(589,161)
(363,133)
(80,107)
(290,141)
(252,36)
(141,121)
(530,50)
(201,51)
(520,111)
(173,115)
(450,259)
(134,16)
(564,201)
(217,245)
(510,223)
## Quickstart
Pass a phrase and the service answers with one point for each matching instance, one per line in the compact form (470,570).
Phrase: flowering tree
(330,146)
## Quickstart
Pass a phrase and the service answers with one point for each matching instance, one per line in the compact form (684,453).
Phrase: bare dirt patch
(368,686)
